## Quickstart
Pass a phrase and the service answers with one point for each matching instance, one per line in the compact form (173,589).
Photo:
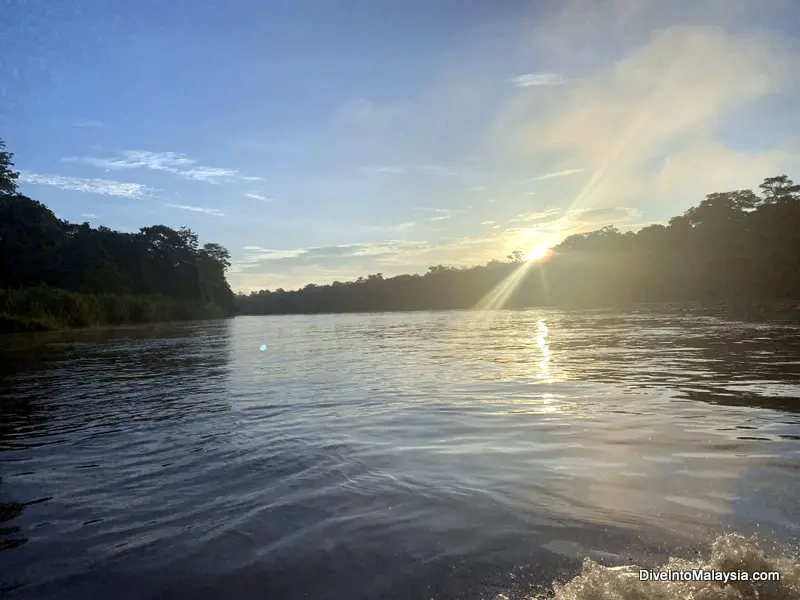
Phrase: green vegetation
(44,308)
(735,247)
(55,274)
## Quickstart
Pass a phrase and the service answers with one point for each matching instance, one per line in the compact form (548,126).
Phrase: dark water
(411,455)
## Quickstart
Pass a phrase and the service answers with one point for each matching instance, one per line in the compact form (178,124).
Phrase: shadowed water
(407,455)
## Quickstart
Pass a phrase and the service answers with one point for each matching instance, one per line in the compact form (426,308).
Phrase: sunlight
(544,346)
(537,252)
(501,292)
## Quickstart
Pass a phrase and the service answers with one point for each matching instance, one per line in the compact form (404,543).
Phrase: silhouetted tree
(38,249)
(8,176)
(734,245)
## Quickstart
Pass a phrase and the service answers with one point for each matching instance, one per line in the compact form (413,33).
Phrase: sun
(537,252)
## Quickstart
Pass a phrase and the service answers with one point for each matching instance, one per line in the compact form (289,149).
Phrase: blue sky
(330,139)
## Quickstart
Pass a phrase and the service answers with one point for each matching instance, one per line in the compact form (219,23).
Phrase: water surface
(407,455)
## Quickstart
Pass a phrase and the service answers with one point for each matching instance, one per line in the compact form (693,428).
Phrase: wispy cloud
(528,217)
(104,187)
(487,222)
(169,162)
(646,127)
(208,211)
(389,169)
(440,218)
(402,226)
(477,188)
(320,255)
(536,79)
(258,197)
(428,169)
(262,254)
(90,215)
(441,211)
(552,175)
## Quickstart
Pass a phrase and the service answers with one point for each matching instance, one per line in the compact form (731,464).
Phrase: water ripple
(452,454)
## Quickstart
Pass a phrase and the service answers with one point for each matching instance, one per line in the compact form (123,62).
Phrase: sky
(326,140)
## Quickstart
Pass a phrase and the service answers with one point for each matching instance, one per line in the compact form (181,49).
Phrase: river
(408,455)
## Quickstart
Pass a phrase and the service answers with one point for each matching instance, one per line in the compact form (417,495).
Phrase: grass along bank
(44,308)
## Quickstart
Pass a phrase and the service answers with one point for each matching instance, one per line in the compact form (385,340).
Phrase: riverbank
(47,309)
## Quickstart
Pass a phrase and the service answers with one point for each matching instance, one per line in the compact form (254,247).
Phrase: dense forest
(58,274)
(738,246)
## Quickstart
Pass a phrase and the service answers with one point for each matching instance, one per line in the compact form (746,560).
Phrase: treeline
(54,273)
(737,246)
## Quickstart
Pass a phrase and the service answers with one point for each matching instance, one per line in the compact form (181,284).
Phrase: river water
(407,455)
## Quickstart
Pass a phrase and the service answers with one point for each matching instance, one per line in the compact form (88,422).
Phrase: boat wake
(733,554)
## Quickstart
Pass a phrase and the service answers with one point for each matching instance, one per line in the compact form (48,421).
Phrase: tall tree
(8,176)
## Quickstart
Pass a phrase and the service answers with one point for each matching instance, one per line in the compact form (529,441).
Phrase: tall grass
(44,308)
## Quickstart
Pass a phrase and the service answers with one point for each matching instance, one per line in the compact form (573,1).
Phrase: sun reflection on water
(544,347)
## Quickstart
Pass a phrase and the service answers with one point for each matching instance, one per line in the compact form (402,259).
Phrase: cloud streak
(427,169)
(208,211)
(403,226)
(103,187)
(258,197)
(386,169)
(537,79)
(168,162)
(564,173)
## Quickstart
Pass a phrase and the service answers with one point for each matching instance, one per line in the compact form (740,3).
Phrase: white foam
(729,553)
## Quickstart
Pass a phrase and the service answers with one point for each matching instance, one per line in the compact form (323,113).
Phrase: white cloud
(258,197)
(402,226)
(269,254)
(104,187)
(563,173)
(440,218)
(170,162)
(536,79)
(390,169)
(429,169)
(487,222)
(90,215)
(208,174)
(441,211)
(633,123)
(477,188)
(208,211)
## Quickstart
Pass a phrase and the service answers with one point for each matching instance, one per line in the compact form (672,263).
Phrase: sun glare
(537,252)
